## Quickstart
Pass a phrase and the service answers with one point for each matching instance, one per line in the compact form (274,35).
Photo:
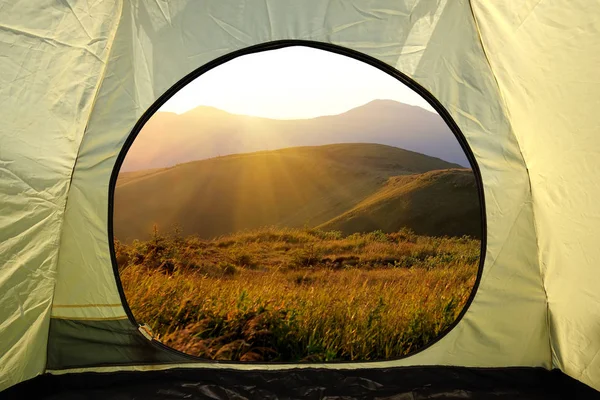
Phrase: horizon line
(160,110)
(280,149)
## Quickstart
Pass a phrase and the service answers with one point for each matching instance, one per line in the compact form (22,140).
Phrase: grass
(301,295)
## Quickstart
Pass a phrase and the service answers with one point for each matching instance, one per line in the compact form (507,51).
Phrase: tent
(519,79)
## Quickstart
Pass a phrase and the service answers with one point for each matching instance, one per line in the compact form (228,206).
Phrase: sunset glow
(291,83)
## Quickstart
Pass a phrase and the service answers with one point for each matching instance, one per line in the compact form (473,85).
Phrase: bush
(228,269)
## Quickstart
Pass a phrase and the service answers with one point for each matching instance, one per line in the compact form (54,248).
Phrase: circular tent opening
(302,204)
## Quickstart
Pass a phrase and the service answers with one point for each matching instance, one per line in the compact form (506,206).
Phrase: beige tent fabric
(51,59)
(72,86)
(546,57)
(435,42)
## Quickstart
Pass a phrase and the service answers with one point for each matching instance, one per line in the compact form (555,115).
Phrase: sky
(291,83)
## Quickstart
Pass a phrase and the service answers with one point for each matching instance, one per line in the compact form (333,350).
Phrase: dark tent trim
(410,383)
(88,343)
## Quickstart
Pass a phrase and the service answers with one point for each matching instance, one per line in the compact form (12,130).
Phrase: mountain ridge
(204,132)
(292,187)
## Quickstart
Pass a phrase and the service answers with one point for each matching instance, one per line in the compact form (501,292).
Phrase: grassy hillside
(298,294)
(125,177)
(293,187)
(442,202)
(168,139)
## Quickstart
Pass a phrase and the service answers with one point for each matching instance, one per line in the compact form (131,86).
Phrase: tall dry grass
(298,294)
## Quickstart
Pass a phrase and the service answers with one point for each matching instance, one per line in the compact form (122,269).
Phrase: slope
(436,203)
(293,187)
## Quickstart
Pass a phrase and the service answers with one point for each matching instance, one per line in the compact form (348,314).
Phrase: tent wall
(435,43)
(546,57)
(75,79)
(51,62)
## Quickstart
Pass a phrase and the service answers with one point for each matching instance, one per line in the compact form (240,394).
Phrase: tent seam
(95,97)
(507,113)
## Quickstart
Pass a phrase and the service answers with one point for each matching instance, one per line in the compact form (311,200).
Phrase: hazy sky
(294,82)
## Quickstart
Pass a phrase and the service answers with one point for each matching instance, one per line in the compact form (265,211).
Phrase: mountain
(330,186)
(168,139)
(435,203)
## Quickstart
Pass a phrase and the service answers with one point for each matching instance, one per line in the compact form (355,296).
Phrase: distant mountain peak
(385,102)
(386,105)
(205,132)
(207,110)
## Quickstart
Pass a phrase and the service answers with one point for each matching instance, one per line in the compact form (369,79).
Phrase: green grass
(303,295)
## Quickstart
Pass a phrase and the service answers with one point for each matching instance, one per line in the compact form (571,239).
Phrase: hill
(168,139)
(293,187)
(438,203)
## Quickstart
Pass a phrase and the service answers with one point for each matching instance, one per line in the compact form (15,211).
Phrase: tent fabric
(51,62)
(94,343)
(545,58)
(397,383)
(519,80)
(170,45)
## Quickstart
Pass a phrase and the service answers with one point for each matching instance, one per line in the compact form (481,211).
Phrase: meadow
(298,294)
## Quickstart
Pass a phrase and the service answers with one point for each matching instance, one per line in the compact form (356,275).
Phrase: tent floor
(408,383)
